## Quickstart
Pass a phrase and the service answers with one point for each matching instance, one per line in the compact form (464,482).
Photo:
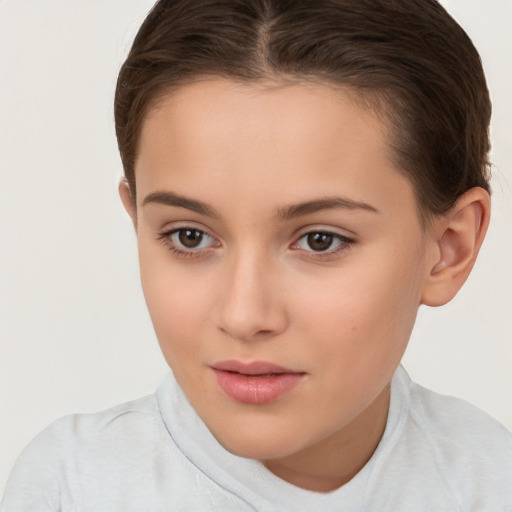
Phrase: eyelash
(345,243)
(165,238)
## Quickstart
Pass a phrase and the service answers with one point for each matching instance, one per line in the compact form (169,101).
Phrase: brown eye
(320,241)
(190,238)
(188,242)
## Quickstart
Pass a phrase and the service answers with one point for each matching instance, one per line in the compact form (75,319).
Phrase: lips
(256,383)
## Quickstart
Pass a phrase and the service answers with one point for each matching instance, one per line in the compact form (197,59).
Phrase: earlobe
(127,200)
(458,239)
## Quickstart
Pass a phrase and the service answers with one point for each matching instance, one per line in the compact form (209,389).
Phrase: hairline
(379,102)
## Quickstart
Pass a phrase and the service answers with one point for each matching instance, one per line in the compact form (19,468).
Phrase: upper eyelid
(177,225)
(185,228)
(188,228)
(330,230)
(345,240)
(317,227)
(189,225)
(327,231)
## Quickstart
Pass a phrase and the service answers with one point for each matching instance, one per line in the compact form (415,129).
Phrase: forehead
(269,139)
(296,108)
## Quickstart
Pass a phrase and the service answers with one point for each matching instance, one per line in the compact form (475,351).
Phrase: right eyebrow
(171,199)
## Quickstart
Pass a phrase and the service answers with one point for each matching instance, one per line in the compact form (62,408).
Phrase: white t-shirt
(155,454)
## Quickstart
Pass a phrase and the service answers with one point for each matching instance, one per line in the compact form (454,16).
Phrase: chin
(256,451)
(249,445)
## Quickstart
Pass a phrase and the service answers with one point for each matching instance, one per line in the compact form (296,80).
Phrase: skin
(254,290)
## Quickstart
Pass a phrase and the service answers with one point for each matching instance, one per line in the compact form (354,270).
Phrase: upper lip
(252,368)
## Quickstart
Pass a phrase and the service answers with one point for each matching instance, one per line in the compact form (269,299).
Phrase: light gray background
(74,332)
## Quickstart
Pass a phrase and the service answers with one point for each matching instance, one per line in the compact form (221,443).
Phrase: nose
(252,306)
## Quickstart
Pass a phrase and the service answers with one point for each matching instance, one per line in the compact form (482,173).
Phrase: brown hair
(407,58)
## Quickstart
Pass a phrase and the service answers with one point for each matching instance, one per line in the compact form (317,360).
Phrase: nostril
(247,334)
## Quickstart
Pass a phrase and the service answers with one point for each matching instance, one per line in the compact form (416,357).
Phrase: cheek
(360,318)
(177,301)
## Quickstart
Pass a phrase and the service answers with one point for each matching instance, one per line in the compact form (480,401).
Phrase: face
(282,259)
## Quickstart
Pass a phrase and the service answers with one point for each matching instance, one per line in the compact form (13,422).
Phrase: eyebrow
(171,199)
(328,203)
(285,213)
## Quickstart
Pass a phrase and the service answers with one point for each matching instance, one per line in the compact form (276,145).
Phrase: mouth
(255,383)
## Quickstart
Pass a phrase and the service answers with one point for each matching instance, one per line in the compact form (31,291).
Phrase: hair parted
(407,59)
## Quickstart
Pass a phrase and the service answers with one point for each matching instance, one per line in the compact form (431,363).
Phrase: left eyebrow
(328,203)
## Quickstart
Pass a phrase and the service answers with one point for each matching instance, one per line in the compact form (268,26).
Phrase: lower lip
(256,390)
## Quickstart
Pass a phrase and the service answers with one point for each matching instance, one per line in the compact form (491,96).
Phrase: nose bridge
(251,307)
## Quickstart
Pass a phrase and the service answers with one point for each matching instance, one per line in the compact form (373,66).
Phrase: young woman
(302,176)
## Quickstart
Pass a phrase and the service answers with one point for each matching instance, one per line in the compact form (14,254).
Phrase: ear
(457,238)
(127,199)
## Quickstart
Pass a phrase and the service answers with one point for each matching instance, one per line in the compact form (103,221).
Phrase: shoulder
(456,421)
(471,450)
(82,431)
(58,457)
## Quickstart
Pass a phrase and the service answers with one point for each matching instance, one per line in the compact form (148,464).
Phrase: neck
(334,461)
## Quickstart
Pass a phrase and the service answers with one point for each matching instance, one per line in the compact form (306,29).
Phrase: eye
(187,241)
(322,242)
(190,238)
